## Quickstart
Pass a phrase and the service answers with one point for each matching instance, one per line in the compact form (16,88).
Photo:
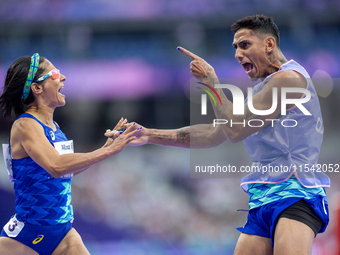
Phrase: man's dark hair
(259,24)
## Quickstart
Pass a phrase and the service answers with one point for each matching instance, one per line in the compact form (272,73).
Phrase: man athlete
(286,210)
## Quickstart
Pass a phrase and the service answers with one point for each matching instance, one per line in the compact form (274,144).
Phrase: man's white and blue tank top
(297,147)
(42,199)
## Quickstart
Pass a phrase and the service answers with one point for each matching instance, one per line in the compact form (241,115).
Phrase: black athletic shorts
(301,211)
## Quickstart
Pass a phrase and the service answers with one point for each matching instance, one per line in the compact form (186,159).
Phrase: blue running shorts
(261,221)
(42,239)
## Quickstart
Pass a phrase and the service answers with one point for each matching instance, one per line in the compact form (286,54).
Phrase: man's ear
(36,88)
(270,44)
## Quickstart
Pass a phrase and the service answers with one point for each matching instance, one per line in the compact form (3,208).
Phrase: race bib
(65,147)
(8,160)
(13,227)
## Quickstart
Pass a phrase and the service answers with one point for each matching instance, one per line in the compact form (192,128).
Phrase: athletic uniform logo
(38,239)
(52,135)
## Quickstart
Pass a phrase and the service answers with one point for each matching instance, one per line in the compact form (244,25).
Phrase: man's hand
(142,138)
(200,69)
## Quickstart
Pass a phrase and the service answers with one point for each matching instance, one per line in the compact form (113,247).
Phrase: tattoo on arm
(161,136)
(181,136)
(222,111)
(212,79)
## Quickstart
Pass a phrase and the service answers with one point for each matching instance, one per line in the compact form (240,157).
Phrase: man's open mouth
(248,67)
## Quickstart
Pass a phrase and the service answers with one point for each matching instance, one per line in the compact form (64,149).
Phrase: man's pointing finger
(188,53)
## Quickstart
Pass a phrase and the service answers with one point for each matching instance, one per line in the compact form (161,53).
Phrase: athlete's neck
(275,59)
(45,115)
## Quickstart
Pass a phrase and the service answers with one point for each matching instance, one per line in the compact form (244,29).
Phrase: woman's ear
(36,88)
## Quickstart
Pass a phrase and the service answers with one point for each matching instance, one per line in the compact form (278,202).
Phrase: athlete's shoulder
(287,78)
(23,123)
(288,73)
(24,126)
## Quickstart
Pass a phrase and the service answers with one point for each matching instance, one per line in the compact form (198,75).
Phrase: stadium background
(120,60)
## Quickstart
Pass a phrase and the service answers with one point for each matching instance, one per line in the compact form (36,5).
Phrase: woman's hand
(142,134)
(120,141)
(113,134)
